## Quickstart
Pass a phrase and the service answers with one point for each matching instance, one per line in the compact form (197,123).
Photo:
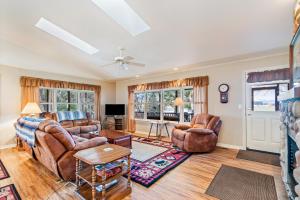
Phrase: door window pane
(264,99)
(153,105)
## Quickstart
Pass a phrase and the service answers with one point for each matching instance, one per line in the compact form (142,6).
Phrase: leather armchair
(200,136)
(55,148)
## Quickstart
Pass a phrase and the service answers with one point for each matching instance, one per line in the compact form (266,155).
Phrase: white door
(263,124)
(263,131)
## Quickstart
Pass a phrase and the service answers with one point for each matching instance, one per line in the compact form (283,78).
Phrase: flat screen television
(114,109)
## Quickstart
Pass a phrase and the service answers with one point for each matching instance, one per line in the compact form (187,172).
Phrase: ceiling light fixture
(175,68)
(69,38)
(137,76)
(124,15)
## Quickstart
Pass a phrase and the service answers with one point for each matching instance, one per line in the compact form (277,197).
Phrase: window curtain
(30,90)
(200,99)
(131,122)
(270,75)
(199,84)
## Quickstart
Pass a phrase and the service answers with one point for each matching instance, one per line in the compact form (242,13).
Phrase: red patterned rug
(150,170)
(9,192)
(3,172)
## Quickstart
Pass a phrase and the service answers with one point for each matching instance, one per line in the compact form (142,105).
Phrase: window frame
(181,108)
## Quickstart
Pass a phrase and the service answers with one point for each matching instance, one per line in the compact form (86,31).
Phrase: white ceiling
(182,32)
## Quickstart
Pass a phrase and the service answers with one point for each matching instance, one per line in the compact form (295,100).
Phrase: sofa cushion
(78,139)
(81,122)
(67,124)
(199,126)
(200,131)
(74,130)
(86,129)
(61,135)
(182,126)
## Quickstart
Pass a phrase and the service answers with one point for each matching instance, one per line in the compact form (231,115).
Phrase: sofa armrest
(200,131)
(94,122)
(182,126)
(97,141)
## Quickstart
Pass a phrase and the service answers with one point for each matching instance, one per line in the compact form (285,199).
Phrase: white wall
(10,96)
(232,73)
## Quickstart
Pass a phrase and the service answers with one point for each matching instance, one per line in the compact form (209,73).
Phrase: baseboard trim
(8,146)
(230,146)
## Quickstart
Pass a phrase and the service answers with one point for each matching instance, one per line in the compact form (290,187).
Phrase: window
(264,98)
(53,100)
(159,104)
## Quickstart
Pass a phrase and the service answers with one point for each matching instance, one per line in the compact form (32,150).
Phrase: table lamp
(178,102)
(31,108)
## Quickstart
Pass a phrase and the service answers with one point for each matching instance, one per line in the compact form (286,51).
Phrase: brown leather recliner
(200,136)
(55,147)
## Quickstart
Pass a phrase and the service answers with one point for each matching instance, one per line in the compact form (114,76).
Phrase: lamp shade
(31,108)
(178,101)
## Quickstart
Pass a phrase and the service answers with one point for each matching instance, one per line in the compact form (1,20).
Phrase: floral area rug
(147,169)
(9,192)
(3,172)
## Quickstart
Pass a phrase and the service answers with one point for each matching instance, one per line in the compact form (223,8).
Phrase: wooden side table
(87,179)
(159,126)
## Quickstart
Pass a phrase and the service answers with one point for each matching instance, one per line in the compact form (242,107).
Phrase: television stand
(114,123)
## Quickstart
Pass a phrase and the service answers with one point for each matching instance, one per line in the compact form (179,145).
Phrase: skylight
(124,15)
(69,38)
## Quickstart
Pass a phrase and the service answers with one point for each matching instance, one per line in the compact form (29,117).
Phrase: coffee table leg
(77,173)
(93,183)
(128,173)
(103,180)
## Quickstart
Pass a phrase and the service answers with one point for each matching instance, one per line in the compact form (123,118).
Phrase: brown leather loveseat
(200,136)
(80,126)
(55,147)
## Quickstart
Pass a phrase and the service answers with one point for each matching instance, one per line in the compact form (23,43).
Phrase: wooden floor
(187,181)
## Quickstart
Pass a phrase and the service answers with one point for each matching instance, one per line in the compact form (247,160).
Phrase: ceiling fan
(124,61)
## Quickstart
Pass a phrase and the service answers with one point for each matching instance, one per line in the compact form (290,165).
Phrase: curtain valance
(270,75)
(200,81)
(38,82)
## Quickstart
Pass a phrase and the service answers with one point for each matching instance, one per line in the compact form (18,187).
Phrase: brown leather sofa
(55,147)
(200,136)
(79,127)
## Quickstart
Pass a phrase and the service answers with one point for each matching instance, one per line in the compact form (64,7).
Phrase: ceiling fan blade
(127,58)
(136,64)
(109,64)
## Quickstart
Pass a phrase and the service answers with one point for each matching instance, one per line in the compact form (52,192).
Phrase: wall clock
(223,89)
